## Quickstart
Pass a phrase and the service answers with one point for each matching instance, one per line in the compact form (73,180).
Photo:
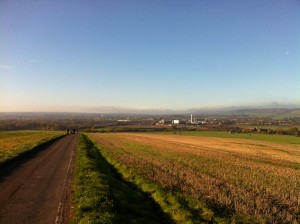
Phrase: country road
(37,189)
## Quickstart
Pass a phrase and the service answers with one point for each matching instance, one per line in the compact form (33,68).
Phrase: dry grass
(234,176)
(12,143)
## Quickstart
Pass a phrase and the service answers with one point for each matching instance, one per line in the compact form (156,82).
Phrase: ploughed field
(234,179)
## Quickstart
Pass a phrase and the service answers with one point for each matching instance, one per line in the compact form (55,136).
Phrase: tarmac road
(37,189)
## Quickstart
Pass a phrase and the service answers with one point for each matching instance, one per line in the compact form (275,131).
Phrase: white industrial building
(175,122)
(193,121)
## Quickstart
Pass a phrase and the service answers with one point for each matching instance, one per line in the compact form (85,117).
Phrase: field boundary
(105,196)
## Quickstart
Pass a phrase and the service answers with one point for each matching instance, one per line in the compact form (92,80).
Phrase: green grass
(286,139)
(92,202)
(103,196)
(15,143)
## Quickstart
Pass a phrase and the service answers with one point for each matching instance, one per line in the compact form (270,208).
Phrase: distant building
(123,120)
(203,122)
(193,120)
(175,122)
(161,122)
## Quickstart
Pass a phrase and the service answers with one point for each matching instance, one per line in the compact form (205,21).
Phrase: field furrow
(253,179)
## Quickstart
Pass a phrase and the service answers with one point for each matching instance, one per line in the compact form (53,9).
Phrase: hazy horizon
(114,109)
(81,56)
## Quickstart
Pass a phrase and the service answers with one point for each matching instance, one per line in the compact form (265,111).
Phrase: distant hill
(273,113)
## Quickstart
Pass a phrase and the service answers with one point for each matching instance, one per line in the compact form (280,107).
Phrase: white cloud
(5,66)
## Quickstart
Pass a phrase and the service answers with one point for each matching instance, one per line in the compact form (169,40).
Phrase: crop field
(215,179)
(289,139)
(13,143)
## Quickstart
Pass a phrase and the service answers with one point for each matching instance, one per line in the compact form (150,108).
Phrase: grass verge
(92,203)
(102,196)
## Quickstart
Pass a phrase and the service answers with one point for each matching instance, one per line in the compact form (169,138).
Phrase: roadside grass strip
(16,143)
(92,203)
(102,196)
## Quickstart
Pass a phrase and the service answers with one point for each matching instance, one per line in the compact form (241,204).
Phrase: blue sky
(77,55)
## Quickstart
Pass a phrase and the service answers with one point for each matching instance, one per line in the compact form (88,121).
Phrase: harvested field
(240,180)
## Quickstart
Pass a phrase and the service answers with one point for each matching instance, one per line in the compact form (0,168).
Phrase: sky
(58,55)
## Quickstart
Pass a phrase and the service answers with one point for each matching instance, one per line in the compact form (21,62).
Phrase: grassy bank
(103,196)
(91,198)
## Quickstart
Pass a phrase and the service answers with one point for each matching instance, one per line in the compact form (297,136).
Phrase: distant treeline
(234,130)
(125,123)
(32,121)
(278,131)
(63,121)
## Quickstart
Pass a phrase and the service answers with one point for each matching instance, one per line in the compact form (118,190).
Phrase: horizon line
(157,111)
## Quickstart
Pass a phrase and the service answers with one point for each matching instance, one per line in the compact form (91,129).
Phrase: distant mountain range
(276,112)
(273,110)
(197,110)
(272,113)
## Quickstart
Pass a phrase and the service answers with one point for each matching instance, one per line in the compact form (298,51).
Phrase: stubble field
(234,180)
